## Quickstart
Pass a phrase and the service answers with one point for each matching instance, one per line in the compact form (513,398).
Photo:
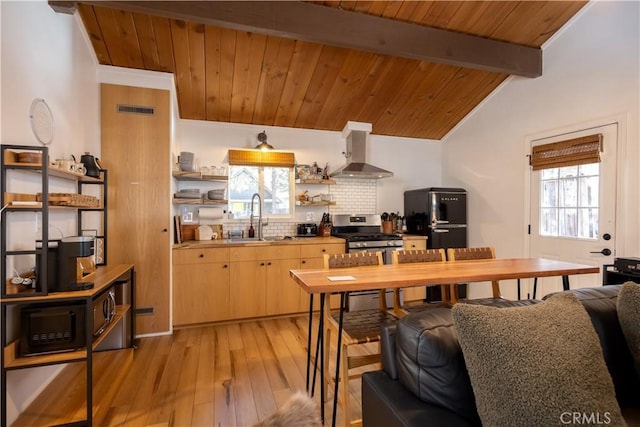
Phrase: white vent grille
(136,109)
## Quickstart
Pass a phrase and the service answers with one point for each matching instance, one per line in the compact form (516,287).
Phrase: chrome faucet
(259,214)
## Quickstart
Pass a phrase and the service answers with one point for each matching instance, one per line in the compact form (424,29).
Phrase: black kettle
(91,165)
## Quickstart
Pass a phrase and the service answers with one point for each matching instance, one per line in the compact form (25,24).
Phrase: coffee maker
(74,259)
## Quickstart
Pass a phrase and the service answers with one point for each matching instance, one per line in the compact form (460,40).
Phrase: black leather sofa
(426,382)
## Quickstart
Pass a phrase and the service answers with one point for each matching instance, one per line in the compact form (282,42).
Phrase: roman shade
(261,158)
(571,152)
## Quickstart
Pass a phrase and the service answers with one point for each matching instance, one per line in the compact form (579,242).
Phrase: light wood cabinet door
(248,284)
(201,293)
(284,296)
(135,149)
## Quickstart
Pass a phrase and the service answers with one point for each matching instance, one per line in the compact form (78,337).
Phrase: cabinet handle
(225,266)
(304,262)
(201,255)
(324,250)
(269,263)
(262,264)
(413,246)
(164,230)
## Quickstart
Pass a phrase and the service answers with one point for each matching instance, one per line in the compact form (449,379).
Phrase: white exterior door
(572,211)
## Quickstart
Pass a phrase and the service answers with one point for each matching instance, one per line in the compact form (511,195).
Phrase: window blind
(261,158)
(571,152)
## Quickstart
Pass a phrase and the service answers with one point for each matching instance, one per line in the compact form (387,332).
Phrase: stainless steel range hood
(357,137)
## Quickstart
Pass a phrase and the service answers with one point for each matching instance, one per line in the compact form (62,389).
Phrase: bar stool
(415,256)
(464,254)
(358,327)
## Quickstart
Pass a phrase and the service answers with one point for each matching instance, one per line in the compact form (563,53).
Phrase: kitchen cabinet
(260,282)
(212,284)
(135,148)
(201,289)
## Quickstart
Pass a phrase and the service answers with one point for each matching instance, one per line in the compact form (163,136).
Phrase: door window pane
(567,224)
(569,201)
(568,192)
(549,194)
(549,222)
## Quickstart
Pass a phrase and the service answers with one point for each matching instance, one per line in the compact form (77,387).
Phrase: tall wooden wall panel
(135,150)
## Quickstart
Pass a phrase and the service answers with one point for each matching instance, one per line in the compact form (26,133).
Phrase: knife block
(324,229)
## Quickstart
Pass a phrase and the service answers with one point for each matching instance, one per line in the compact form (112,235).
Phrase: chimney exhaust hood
(357,137)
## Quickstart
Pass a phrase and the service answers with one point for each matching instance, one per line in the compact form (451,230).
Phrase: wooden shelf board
(315,203)
(179,201)
(13,361)
(197,176)
(316,181)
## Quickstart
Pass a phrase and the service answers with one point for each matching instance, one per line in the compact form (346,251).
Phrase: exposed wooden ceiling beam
(330,26)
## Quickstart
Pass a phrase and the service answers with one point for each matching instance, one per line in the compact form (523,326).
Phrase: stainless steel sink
(266,239)
(278,238)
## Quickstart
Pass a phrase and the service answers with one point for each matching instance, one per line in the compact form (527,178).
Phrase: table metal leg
(338,351)
(309,329)
(535,287)
(518,289)
(565,282)
(322,343)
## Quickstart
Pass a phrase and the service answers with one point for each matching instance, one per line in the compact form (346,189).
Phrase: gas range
(363,231)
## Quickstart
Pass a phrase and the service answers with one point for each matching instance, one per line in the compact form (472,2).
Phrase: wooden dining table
(325,281)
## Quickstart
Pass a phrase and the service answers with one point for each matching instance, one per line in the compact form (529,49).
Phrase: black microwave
(52,328)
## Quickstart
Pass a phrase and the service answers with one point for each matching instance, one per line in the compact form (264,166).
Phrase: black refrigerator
(441,215)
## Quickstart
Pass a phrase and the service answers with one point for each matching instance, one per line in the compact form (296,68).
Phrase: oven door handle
(440,230)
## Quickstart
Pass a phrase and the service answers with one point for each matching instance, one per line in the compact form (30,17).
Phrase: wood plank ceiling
(237,76)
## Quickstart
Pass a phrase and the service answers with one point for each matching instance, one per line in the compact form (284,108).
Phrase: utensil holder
(387,227)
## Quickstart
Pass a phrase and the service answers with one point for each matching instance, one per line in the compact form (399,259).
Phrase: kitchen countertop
(225,243)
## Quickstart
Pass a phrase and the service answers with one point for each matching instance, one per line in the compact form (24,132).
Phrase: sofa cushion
(430,364)
(536,365)
(629,316)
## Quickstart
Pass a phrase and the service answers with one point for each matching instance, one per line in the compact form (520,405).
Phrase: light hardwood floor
(222,375)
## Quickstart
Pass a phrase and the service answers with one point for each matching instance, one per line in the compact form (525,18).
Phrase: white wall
(44,56)
(414,162)
(590,72)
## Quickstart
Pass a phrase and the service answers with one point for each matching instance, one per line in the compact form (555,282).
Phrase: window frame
(262,189)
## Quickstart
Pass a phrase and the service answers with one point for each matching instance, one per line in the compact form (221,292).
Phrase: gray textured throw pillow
(628,306)
(540,365)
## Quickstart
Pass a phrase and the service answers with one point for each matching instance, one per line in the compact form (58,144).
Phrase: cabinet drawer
(318,250)
(200,256)
(414,243)
(265,252)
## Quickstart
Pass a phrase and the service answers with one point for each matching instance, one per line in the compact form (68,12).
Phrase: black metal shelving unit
(611,276)
(14,297)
